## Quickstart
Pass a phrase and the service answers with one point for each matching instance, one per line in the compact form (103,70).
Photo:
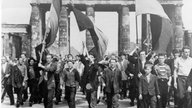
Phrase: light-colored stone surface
(80,103)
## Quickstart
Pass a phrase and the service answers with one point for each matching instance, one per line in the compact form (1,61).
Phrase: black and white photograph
(96,53)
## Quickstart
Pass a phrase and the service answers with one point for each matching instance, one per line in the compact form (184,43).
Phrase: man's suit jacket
(17,78)
(112,79)
(138,65)
(6,80)
(152,87)
(51,71)
(92,76)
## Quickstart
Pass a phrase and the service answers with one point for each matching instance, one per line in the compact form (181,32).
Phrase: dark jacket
(36,70)
(112,80)
(152,87)
(51,71)
(92,76)
(71,79)
(6,80)
(138,64)
(17,77)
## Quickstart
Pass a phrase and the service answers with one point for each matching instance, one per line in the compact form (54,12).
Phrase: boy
(148,87)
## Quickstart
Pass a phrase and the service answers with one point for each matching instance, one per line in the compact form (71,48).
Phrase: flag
(99,39)
(150,7)
(53,22)
(51,27)
(161,26)
(162,31)
(38,50)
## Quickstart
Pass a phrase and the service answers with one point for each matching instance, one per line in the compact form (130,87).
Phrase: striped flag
(99,39)
(150,7)
(53,22)
(161,26)
(51,27)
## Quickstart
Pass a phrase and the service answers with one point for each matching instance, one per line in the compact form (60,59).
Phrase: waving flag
(52,25)
(150,7)
(53,22)
(99,39)
(161,26)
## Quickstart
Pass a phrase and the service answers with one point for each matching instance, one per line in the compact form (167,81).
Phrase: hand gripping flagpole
(44,43)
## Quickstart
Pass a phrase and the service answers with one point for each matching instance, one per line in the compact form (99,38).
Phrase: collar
(148,75)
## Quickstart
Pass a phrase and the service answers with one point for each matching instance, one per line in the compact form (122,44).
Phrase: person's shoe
(98,100)
(30,104)
(56,102)
(2,100)
(24,99)
(121,98)
(21,103)
(132,104)
(17,105)
(40,101)
(12,104)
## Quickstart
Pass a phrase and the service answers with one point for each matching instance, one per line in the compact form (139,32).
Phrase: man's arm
(189,82)
(140,88)
(175,73)
(52,68)
(25,71)
(168,69)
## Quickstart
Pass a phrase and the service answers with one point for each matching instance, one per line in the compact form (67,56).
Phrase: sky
(19,11)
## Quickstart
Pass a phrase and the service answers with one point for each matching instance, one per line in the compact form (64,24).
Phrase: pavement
(80,103)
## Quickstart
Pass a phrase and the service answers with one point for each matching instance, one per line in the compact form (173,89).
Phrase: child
(148,87)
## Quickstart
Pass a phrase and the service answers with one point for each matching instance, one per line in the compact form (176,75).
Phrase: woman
(33,76)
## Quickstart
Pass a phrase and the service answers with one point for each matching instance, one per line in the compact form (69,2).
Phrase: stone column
(178,29)
(124,30)
(63,32)
(144,31)
(7,44)
(36,27)
(91,14)
(188,40)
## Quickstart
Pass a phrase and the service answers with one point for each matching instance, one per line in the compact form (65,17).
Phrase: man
(138,61)
(71,79)
(112,79)
(92,83)
(183,66)
(79,66)
(49,81)
(19,79)
(172,90)
(6,80)
(163,73)
(25,90)
(58,76)
(189,90)
(124,64)
(23,69)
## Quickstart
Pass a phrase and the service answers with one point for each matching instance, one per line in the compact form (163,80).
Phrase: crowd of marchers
(151,80)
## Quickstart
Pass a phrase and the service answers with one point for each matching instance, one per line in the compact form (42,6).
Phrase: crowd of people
(150,80)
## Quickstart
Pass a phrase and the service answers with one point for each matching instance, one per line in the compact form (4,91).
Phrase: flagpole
(44,43)
(137,39)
